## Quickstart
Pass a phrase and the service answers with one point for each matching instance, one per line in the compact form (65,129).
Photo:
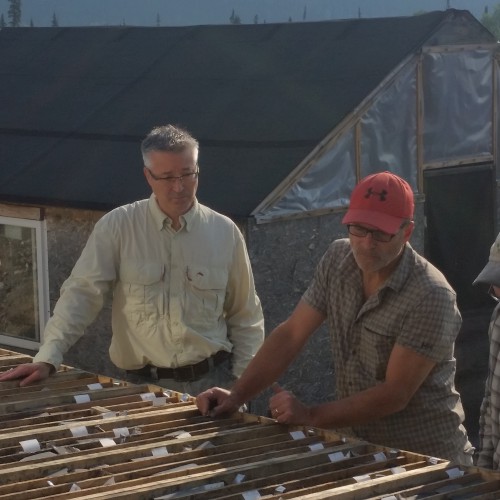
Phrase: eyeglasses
(492,294)
(171,180)
(362,232)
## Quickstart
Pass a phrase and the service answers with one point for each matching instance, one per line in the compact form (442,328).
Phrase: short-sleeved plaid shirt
(415,308)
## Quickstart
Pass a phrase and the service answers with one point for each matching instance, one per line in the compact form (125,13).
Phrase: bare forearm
(360,408)
(272,359)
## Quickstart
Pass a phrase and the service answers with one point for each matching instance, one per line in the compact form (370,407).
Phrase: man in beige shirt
(185,312)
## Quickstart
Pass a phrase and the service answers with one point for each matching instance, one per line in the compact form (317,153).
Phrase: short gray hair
(167,138)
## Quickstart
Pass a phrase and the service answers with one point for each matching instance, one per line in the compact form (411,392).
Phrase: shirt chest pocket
(205,291)
(377,342)
(142,285)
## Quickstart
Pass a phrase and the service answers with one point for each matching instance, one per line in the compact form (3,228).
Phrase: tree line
(14,16)
(490,20)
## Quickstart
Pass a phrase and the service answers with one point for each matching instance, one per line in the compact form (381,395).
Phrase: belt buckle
(153,372)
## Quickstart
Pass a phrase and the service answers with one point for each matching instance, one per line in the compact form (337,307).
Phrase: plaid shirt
(415,308)
(489,420)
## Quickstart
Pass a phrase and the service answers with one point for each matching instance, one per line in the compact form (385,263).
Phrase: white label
(397,470)
(148,396)
(107,442)
(79,431)
(454,473)
(30,445)
(335,457)
(380,456)
(159,401)
(316,446)
(161,451)
(297,435)
(94,387)
(251,495)
(360,479)
(74,487)
(82,398)
(239,478)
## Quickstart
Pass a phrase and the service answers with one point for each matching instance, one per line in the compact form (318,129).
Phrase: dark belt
(187,373)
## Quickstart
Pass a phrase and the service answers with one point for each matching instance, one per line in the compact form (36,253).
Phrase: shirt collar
(349,270)
(399,276)
(161,219)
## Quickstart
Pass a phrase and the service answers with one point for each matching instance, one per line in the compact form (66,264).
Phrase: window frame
(42,275)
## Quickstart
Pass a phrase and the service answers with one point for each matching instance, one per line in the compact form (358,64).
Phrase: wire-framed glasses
(171,179)
(362,232)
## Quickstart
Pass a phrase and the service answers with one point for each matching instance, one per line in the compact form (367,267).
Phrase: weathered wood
(21,211)
(115,440)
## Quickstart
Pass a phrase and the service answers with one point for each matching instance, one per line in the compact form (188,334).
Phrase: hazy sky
(186,12)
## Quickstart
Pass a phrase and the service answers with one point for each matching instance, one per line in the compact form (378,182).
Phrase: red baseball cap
(382,200)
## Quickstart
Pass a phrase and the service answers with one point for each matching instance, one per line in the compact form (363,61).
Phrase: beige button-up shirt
(178,296)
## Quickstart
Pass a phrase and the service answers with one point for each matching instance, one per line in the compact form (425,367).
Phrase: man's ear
(408,230)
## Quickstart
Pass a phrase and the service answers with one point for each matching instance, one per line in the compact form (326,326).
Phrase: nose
(178,185)
(368,240)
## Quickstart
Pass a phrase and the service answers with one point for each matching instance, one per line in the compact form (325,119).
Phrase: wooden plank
(21,211)
(134,442)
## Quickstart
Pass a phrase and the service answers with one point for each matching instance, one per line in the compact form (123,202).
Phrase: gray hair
(167,138)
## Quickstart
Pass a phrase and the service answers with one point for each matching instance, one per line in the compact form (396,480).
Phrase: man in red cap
(393,321)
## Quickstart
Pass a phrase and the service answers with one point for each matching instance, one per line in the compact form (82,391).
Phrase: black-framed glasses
(362,232)
(171,179)
(492,294)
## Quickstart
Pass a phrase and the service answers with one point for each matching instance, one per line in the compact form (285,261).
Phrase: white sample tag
(161,451)
(82,398)
(79,431)
(107,442)
(30,445)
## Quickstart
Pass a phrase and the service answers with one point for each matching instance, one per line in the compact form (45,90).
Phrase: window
(24,288)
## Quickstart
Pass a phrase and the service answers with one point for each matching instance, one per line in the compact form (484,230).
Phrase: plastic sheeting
(388,138)
(328,184)
(458,92)
(457,125)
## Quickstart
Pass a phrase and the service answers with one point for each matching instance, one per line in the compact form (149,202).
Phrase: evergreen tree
(54,23)
(289,19)
(31,23)
(157,19)
(256,19)
(304,14)
(492,21)
(2,21)
(14,13)
(234,18)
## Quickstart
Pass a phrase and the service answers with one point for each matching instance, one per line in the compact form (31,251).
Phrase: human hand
(28,373)
(216,401)
(286,408)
